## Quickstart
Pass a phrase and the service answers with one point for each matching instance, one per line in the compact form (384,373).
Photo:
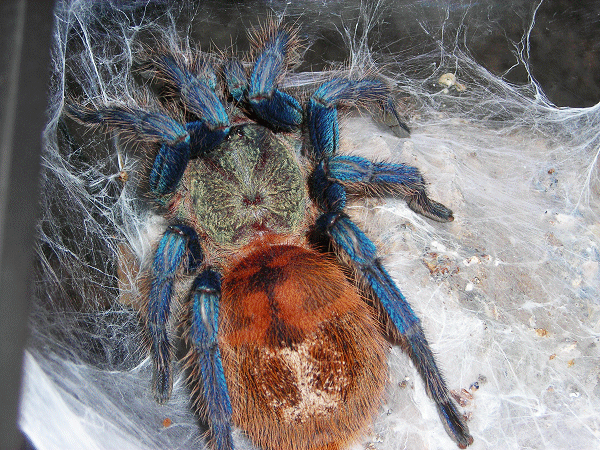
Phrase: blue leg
(171,137)
(322,116)
(202,138)
(149,126)
(168,167)
(355,248)
(178,250)
(278,109)
(196,90)
(328,194)
(206,357)
(377,178)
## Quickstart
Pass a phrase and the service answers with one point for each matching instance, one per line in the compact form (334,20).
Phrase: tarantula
(288,313)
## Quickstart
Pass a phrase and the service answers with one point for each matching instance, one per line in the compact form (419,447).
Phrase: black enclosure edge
(24,72)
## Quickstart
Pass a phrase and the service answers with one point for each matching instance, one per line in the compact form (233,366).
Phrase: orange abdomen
(303,357)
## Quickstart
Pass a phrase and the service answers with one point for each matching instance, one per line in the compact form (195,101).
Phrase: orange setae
(304,358)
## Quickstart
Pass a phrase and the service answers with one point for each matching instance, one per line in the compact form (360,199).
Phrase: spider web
(508,292)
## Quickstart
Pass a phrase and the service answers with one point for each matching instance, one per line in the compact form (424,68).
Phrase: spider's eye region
(252,201)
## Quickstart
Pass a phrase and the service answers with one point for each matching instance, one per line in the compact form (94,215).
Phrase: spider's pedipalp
(178,250)
(359,175)
(196,91)
(280,110)
(269,66)
(235,78)
(204,357)
(357,250)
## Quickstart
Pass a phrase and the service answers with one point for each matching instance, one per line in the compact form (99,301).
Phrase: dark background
(564,55)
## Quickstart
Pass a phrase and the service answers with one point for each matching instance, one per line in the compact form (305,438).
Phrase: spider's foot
(422,204)
(454,424)
(392,119)
(422,356)
(162,382)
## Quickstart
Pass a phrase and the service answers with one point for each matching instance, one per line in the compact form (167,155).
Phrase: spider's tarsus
(420,352)
(393,120)
(454,424)
(431,209)
(162,378)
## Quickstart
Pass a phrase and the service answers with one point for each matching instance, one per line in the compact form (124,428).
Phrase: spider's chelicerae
(290,310)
